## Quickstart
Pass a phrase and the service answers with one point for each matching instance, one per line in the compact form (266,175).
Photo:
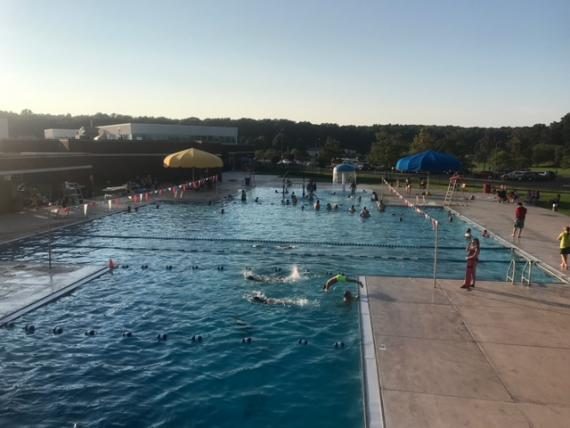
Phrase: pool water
(112,380)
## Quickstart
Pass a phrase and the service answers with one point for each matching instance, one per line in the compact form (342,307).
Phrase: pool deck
(28,223)
(539,237)
(27,286)
(496,356)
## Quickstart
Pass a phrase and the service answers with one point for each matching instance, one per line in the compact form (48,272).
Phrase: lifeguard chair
(454,181)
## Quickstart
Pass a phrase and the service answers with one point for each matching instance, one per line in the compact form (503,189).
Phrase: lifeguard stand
(454,181)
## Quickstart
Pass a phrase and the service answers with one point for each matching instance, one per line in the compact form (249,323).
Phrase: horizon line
(289,120)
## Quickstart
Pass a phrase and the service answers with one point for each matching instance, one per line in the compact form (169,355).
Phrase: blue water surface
(112,380)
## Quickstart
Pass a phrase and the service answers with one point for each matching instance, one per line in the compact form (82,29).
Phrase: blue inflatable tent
(429,161)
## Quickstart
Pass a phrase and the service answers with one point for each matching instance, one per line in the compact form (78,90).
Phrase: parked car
(520,176)
(547,175)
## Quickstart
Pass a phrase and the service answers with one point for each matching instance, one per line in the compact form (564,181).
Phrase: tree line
(380,145)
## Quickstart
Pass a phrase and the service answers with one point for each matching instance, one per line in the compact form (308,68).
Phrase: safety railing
(526,271)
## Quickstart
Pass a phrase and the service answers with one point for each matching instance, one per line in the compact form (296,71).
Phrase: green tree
(329,151)
(279,142)
(422,141)
(260,154)
(544,154)
(385,152)
(299,154)
(272,155)
(501,160)
(519,158)
(484,149)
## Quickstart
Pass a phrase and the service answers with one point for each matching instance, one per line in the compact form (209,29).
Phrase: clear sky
(459,62)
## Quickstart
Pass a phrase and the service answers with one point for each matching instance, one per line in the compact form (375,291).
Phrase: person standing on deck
(472,260)
(520,216)
(564,239)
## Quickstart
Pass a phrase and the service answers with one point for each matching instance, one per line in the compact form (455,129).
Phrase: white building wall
(57,133)
(149,131)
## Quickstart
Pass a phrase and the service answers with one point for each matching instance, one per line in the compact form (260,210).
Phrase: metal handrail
(528,278)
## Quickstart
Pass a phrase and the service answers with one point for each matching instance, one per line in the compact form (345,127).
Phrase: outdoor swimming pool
(109,379)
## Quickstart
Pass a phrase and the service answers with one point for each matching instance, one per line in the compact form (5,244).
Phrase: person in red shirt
(520,215)
(472,259)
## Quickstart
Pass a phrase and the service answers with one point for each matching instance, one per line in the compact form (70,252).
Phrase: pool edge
(564,279)
(374,415)
(68,288)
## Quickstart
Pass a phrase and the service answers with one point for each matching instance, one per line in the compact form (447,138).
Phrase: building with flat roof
(159,132)
(59,133)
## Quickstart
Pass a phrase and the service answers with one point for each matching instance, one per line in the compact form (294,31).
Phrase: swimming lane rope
(275,242)
(240,252)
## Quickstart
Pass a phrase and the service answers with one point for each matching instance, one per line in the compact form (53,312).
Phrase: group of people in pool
(348,296)
(311,188)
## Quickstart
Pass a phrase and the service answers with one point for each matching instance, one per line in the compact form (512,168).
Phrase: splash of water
(286,301)
(295,274)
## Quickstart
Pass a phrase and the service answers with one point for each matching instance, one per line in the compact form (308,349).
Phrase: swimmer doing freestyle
(339,278)
(264,300)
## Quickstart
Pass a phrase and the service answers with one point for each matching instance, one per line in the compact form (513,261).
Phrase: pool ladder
(526,274)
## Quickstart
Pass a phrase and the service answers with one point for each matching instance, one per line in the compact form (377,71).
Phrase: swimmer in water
(318,205)
(329,206)
(263,300)
(381,206)
(364,213)
(352,210)
(339,278)
(348,297)
(252,277)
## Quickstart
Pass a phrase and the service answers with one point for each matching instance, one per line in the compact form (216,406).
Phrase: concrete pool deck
(493,357)
(539,237)
(29,223)
(27,286)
